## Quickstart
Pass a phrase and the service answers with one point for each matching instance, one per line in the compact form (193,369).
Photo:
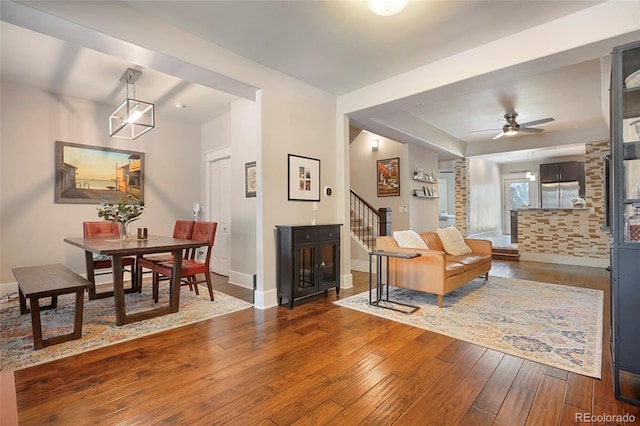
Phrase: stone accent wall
(571,232)
(462,189)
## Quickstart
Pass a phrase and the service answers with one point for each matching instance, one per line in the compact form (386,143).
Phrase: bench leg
(77,324)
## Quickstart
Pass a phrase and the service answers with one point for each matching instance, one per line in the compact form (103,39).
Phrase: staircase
(367,222)
(362,231)
(503,253)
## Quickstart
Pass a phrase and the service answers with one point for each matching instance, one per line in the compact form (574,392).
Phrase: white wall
(363,175)
(245,137)
(485,209)
(423,211)
(32,225)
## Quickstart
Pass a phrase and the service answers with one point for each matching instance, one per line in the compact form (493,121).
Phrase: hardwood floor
(317,364)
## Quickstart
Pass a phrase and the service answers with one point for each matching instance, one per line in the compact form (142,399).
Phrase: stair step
(505,254)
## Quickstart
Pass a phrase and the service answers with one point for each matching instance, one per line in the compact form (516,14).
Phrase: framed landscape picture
(304,178)
(86,174)
(388,175)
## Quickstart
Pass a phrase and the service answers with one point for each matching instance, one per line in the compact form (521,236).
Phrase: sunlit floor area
(497,238)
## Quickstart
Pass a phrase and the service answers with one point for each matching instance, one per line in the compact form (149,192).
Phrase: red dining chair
(94,262)
(182,229)
(204,232)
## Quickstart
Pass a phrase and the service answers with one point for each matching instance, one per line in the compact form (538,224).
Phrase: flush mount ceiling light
(386,7)
(132,118)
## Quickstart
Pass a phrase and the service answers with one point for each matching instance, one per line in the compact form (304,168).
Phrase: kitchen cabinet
(624,201)
(308,261)
(566,171)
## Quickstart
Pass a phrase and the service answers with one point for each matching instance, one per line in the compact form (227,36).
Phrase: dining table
(116,248)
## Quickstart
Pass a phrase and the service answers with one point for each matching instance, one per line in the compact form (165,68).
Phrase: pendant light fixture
(132,118)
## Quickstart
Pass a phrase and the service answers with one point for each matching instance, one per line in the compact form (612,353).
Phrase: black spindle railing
(367,222)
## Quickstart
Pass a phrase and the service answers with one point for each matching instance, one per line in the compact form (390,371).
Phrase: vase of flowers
(123,213)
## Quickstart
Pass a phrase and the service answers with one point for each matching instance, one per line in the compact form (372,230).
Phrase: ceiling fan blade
(499,135)
(531,129)
(486,130)
(535,122)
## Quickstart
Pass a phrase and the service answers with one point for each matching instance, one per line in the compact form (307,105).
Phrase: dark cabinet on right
(624,202)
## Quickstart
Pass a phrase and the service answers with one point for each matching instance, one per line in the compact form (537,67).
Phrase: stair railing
(367,222)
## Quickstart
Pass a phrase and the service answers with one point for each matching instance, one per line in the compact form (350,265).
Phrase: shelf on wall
(424,180)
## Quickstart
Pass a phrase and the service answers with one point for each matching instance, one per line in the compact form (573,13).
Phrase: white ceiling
(340,46)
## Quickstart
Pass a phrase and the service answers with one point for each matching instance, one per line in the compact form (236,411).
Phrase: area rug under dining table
(99,326)
(555,325)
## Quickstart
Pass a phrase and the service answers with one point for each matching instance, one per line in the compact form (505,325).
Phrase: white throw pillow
(409,239)
(453,242)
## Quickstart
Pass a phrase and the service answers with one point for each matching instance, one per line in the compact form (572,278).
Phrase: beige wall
(423,212)
(363,175)
(32,225)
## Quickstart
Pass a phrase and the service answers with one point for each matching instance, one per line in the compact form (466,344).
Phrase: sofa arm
(479,246)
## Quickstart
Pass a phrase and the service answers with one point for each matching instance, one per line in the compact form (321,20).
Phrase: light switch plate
(315,206)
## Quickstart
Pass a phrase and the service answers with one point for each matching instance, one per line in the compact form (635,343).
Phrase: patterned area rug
(99,326)
(555,325)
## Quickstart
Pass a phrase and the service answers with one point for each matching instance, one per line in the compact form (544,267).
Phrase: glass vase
(124,230)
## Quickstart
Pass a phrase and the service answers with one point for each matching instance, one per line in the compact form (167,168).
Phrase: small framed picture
(250,179)
(304,178)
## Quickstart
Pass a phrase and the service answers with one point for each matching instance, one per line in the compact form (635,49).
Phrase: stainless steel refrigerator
(558,195)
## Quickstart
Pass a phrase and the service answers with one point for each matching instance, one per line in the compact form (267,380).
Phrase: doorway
(516,192)
(219,208)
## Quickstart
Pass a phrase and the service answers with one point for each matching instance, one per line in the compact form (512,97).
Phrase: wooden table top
(112,246)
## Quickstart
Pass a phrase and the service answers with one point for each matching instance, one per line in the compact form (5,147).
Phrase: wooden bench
(37,282)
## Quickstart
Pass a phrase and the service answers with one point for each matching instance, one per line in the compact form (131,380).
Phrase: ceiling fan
(513,128)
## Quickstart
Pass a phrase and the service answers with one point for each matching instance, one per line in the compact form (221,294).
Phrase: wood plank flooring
(317,364)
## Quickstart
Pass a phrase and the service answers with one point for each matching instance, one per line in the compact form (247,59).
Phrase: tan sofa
(435,271)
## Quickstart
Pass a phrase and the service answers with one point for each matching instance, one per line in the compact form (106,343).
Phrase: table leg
(118,289)
(36,325)
(88,260)
(174,289)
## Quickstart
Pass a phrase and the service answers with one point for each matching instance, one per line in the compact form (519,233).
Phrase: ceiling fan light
(509,130)
(386,7)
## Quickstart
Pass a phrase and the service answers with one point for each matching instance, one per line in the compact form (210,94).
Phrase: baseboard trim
(362,265)
(565,260)
(265,299)
(346,281)
(241,279)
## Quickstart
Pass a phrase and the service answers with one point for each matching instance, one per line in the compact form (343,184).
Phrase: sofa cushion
(469,261)
(432,240)
(409,239)
(453,268)
(453,242)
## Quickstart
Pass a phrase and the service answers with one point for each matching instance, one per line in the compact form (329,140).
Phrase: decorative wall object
(388,175)
(250,179)
(87,174)
(304,178)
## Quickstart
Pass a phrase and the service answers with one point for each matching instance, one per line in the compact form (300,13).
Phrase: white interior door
(220,211)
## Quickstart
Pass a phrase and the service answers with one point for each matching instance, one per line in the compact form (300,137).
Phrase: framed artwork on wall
(304,178)
(86,174)
(250,179)
(388,175)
